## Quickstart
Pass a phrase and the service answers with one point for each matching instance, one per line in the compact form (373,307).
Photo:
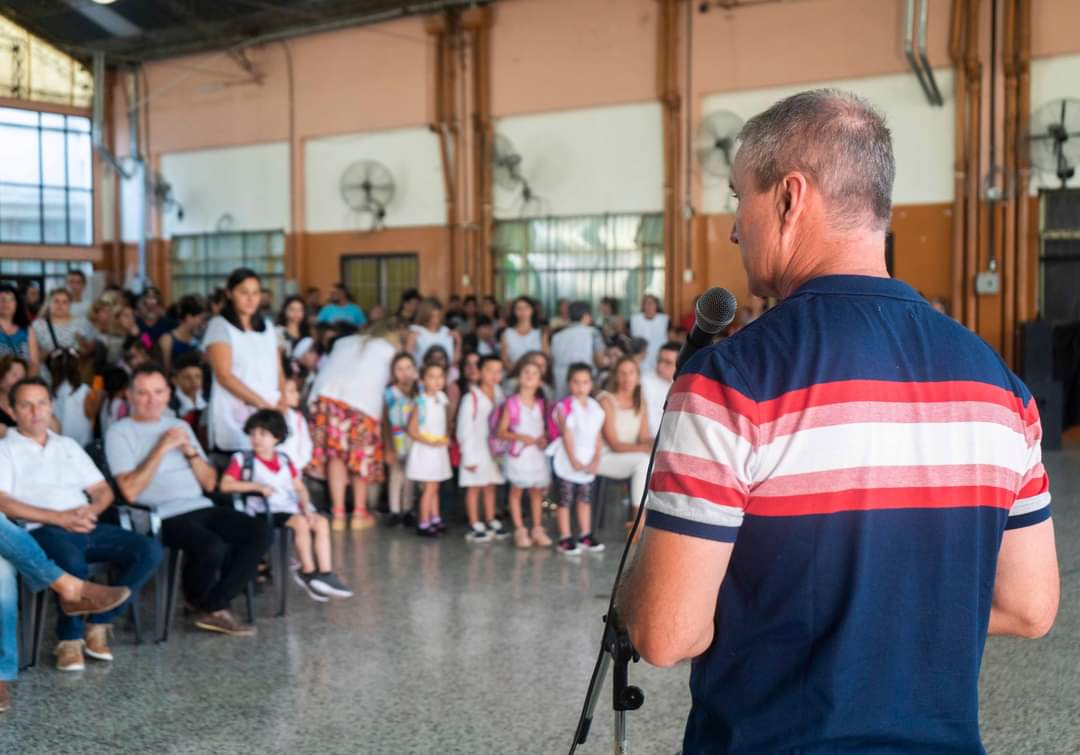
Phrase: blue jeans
(137,556)
(19,553)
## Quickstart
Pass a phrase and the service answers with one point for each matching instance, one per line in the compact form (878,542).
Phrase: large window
(45,274)
(46,178)
(379,279)
(586,257)
(201,263)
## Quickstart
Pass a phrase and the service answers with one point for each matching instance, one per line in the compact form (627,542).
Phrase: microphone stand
(616,649)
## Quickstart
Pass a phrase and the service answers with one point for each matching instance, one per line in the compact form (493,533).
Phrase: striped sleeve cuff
(1029,511)
(661,521)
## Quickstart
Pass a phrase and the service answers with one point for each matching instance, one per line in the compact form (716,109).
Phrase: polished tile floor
(448,648)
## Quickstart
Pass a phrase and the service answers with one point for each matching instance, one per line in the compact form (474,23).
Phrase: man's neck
(41,439)
(146,418)
(854,253)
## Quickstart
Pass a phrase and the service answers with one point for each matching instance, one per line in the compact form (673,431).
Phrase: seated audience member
(655,384)
(135,352)
(271,480)
(151,317)
(625,453)
(49,481)
(676,334)
(75,403)
(158,462)
(191,312)
(650,324)
(20,554)
(341,308)
(188,401)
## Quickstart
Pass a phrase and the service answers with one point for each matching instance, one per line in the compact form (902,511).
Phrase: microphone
(715,310)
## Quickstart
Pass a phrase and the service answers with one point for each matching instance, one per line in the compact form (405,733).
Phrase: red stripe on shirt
(967,496)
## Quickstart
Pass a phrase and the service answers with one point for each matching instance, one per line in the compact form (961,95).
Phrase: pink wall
(563,54)
(1054,27)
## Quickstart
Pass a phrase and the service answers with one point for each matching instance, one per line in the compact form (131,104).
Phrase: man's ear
(791,199)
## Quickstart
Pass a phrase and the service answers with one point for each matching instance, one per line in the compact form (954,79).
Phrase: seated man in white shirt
(158,462)
(48,481)
(655,384)
(578,342)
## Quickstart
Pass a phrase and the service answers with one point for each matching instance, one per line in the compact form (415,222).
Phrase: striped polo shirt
(865,454)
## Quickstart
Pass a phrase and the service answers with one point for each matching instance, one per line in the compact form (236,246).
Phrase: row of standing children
(497,439)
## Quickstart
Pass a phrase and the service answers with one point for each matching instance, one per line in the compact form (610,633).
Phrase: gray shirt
(174,490)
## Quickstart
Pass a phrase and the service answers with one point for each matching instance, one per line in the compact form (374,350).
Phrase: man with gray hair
(848,494)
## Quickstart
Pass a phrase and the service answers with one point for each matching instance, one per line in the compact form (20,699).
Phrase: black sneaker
(568,547)
(496,530)
(305,580)
(393,520)
(439,526)
(328,584)
(589,544)
(478,535)
(428,531)
(409,519)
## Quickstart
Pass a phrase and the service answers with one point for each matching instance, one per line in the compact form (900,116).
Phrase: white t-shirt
(255,362)
(518,345)
(277,474)
(425,339)
(54,476)
(577,343)
(654,332)
(70,409)
(585,424)
(654,391)
(174,490)
(356,373)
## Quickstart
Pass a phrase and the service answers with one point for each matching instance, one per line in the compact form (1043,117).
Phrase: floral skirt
(340,432)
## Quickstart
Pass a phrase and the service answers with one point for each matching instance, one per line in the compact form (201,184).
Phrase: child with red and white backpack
(521,427)
(479,470)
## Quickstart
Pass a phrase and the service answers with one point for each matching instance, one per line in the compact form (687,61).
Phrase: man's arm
(101,497)
(1027,587)
(80,519)
(132,483)
(202,469)
(667,597)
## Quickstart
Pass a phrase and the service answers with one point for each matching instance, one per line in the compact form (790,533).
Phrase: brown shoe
(223,621)
(522,539)
(95,599)
(69,655)
(97,641)
(5,697)
(540,538)
(362,522)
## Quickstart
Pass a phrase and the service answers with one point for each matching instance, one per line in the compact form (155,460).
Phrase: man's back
(878,452)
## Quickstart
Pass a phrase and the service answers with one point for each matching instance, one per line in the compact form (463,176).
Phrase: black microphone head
(715,310)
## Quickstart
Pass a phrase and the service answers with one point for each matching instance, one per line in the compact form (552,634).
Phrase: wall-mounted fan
(714,144)
(367,187)
(161,194)
(507,175)
(1055,138)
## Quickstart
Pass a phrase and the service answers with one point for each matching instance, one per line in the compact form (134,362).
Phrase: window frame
(379,259)
(211,280)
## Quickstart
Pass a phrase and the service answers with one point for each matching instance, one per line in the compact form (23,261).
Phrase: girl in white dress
(479,472)
(522,424)
(429,458)
(580,422)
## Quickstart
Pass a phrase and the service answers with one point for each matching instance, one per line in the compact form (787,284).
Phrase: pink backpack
(567,406)
(512,406)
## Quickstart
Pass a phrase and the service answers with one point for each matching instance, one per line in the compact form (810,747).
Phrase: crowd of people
(227,419)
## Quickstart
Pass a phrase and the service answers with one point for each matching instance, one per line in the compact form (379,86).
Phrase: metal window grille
(379,279)
(200,263)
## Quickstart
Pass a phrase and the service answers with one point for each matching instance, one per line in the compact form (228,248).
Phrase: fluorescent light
(104,2)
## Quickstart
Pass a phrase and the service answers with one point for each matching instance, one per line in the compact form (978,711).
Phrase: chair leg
(249,598)
(280,566)
(168,591)
(136,619)
(26,624)
(599,506)
(41,605)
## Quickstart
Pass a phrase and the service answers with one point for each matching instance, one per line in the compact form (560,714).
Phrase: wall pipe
(1009,145)
(973,69)
(1023,107)
(957,50)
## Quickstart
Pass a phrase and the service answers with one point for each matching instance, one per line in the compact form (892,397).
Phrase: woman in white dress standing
(242,350)
(650,324)
(523,333)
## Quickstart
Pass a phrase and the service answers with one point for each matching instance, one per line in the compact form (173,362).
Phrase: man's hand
(173,438)
(81,520)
